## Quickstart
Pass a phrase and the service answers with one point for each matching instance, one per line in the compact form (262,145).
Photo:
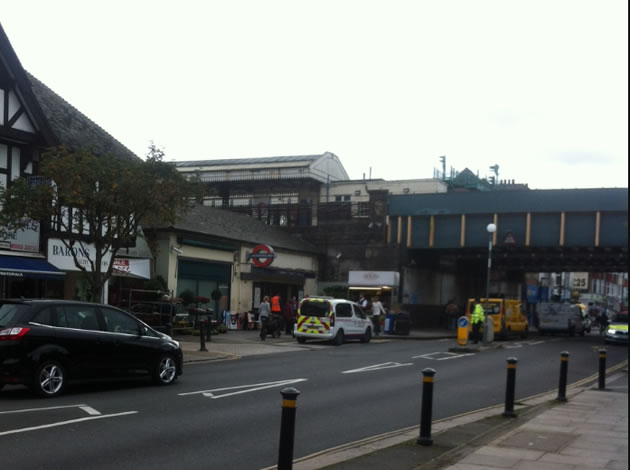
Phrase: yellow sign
(462,331)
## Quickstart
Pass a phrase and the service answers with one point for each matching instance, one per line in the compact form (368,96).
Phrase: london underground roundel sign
(262,256)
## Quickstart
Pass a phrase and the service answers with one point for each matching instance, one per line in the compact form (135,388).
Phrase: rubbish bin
(390,318)
(402,324)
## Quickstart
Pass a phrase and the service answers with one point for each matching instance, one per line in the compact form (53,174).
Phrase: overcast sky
(538,87)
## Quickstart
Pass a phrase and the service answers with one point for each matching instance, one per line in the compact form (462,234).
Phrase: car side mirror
(143,330)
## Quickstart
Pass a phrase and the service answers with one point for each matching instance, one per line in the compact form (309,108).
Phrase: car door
(79,332)
(344,318)
(360,319)
(132,350)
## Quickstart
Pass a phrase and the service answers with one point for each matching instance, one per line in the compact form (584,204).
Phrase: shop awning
(34,268)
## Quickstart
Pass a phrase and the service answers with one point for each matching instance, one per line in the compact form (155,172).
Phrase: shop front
(207,280)
(29,277)
(76,286)
(24,271)
(384,284)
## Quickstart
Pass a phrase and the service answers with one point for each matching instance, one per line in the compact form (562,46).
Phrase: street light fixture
(491,228)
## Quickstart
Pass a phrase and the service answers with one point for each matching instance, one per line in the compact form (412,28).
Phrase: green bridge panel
(420,229)
(447,230)
(545,230)
(613,230)
(516,224)
(579,230)
(476,232)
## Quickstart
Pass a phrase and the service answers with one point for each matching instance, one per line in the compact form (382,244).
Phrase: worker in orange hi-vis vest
(276,313)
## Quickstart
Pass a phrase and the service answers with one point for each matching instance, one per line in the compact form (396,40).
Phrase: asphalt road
(227,414)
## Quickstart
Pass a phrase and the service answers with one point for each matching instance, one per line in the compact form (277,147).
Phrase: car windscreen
(315,309)
(621,318)
(12,313)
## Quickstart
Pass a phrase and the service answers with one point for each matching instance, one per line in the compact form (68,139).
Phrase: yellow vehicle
(507,318)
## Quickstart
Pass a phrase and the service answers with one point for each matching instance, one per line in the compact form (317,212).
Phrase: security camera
(176,250)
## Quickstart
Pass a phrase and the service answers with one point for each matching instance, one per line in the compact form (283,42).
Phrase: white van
(555,317)
(332,319)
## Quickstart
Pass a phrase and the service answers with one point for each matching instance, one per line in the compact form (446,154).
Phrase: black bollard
(202,337)
(427,405)
(564,366)
(287,428)
(209,331)
(602,369)
(509,389)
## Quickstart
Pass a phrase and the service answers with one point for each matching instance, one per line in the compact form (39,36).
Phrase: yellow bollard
(462,331)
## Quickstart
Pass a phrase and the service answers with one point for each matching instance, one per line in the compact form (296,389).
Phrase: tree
(97,203)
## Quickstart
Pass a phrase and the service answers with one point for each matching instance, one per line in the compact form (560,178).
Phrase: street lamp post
(491,228)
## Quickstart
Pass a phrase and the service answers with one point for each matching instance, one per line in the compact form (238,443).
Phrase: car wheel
(49,379)
(367,336)
(301,340)
(339,338)
(165,370)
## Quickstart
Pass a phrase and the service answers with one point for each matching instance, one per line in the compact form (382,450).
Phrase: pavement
(588,431)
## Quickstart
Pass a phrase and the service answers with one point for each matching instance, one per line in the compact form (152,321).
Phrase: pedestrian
(377,310)
(264,313)
(363,302)
(295,306)
(452,313)
(276,314)
(476,319)
(289,317)
(603,322)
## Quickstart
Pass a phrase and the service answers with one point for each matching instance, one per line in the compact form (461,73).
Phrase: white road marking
(248,388)
(449,355)
(455,356)
(385,365)
(41,409)
(63,423)
(91,411)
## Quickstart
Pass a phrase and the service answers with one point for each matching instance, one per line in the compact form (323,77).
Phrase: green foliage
(187,296)
(101,200)
(157,283)
(338,292)
(216,294)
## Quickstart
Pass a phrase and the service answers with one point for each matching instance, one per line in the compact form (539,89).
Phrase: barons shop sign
(262,256)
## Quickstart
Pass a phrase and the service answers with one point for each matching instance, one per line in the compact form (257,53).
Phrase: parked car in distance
(556,317)
(331,319)
(45,344)
(617,331)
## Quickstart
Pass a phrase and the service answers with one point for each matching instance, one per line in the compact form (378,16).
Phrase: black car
(47,343)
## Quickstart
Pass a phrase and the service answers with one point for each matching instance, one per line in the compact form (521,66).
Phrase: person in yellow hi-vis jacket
(476,320)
